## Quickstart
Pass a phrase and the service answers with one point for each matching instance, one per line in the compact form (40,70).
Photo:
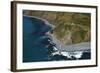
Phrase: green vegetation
(70,27)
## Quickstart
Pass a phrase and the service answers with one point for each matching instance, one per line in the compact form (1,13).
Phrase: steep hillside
(70,27)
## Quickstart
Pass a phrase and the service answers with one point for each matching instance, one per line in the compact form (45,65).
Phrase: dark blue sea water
(35,42)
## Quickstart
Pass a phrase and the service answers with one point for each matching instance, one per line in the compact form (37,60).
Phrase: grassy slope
(69,27)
